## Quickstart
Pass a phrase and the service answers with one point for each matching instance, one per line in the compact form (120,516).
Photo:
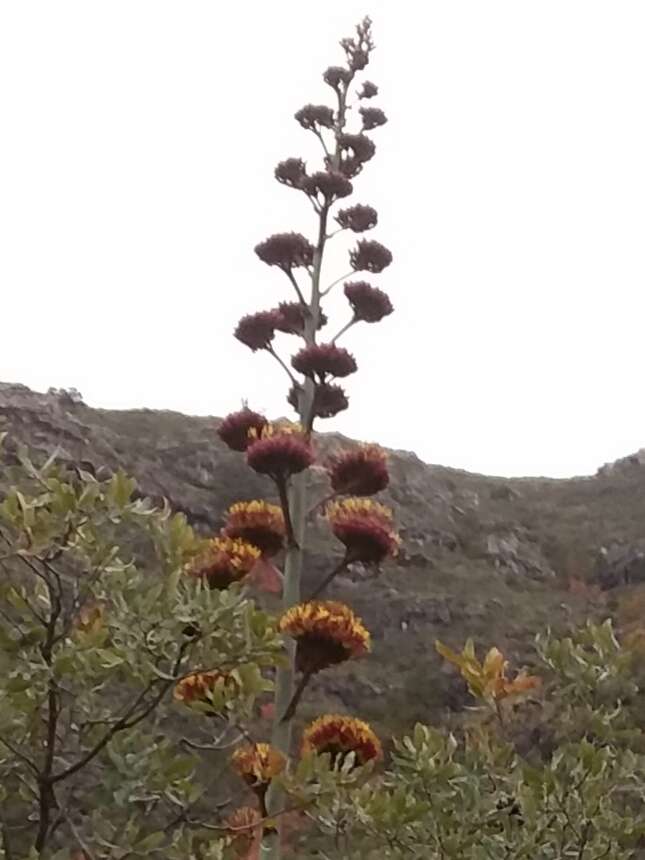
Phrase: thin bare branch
(20,755)
(127,721)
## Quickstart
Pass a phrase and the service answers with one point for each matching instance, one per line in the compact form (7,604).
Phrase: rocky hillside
(493,558)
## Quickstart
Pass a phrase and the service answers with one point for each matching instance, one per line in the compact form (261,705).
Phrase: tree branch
(31,764)
(6,844)
(46,798)
(127,721)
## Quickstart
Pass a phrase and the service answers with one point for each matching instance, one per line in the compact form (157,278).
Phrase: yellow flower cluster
(241,554)
(327,621)
(338,735)
(365,528)
(360,507)
(258,522)
(276,428)
(225,560)
(196,687)
(255,510)
(258,763)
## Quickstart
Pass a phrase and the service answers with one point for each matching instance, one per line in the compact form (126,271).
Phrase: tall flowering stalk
(318,633)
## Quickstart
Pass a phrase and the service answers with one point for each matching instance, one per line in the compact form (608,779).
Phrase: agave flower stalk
(284,454)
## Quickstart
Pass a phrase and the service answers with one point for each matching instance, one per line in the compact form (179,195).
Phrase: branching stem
(342,565)
(345,328)
(337,281)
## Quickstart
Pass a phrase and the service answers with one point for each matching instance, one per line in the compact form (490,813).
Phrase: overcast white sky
(137,150)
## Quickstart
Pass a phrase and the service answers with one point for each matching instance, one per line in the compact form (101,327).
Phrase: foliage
(474,795)
(98,625)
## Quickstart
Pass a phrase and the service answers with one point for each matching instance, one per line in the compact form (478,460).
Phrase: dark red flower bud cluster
(357,218)
(322,360)
(372,117)
(336,76)
(235,428)
(358,49)
(330,184)
(291,318)
(370,256)
(314,117)
(356,150)
(329,399)
(291,172)
(286,250)
(257,330)
(280,451)
(369,90)
(368,303)
(365,528)
(360,472)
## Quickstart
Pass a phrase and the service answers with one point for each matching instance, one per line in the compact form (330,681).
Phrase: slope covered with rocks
(493,558)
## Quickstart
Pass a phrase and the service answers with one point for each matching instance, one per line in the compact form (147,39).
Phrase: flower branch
(340,567)
(331,286)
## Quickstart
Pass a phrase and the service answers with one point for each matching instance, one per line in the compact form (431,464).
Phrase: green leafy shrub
(94,639)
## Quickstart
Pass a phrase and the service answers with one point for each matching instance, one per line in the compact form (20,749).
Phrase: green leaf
(150,842)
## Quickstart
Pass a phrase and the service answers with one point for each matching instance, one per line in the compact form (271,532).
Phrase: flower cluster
(329,399)
(258,764)
(337,77)
(356,151)
(329,184)
(357,218)
(370,256)
(337,736)
(368,91)
(368,303)
(314,117)
(235,428)
(224,561)
(372,117)
(322,360)
(365,528)
(257,330)
(357,49)
(326,632)
(361,472)
(279,451)
(291,172)
(257,522)
(291,317)
(200,686)
(286,250)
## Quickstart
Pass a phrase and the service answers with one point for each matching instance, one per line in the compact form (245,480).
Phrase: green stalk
(285,676)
